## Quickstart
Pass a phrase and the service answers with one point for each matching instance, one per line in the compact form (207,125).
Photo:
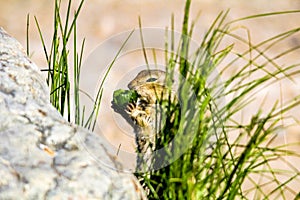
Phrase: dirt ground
(99,21)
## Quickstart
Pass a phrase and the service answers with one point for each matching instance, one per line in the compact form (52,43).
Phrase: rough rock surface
(41,155)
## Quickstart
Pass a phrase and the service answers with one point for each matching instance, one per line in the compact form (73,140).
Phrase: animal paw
(136,114)
(130,108)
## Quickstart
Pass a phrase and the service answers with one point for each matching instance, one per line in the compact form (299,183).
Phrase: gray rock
(41,155)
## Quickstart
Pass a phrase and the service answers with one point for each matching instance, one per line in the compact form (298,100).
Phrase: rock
(42,156)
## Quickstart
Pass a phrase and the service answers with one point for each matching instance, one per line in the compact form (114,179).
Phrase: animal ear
(151,79)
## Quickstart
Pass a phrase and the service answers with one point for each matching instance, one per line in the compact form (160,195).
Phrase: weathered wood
(41,155)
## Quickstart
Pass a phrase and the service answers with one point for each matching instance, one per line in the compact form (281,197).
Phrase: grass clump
(218,157)
(62,56)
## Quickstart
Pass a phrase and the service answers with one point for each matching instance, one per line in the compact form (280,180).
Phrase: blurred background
(100,20)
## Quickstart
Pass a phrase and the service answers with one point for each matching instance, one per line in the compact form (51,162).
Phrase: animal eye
(151,79)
